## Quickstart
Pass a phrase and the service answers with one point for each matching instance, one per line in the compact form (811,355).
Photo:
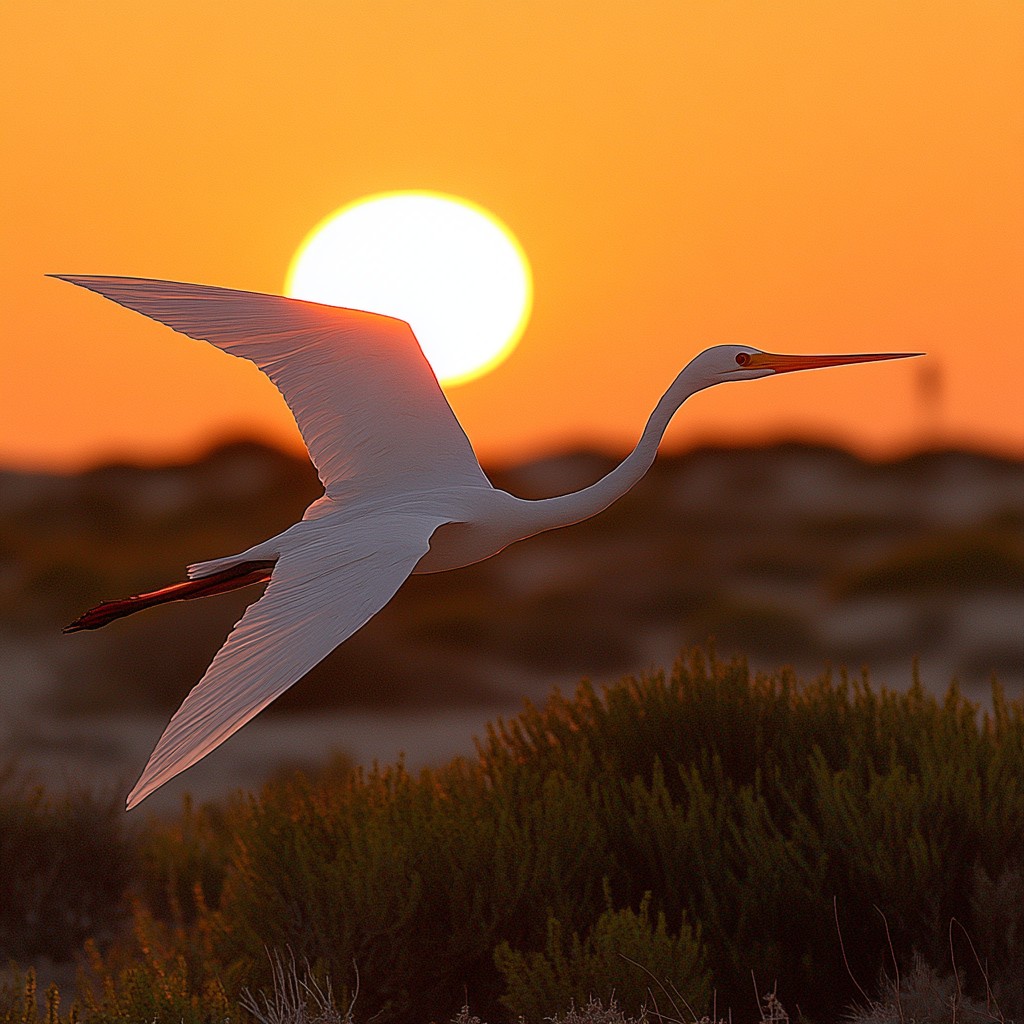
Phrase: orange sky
(801,176)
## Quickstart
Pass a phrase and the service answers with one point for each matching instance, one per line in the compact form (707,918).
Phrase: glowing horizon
(795,176)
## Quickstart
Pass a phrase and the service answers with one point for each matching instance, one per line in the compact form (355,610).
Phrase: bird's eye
(743,358)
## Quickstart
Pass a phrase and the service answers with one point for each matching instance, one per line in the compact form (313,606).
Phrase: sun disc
(450,268)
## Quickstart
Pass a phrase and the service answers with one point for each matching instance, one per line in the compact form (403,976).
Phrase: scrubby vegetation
(708,826)
(64,866)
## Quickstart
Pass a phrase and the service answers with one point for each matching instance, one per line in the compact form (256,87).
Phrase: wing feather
(362,393)
(318,596)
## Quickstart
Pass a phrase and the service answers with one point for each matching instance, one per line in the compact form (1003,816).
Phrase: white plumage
(404,491)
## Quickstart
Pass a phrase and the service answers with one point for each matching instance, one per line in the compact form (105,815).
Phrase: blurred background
(796,176)
(791,554)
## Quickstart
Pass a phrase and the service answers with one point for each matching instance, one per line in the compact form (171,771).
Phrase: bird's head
(723,363)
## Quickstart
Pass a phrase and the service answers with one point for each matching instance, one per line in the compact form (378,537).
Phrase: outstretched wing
(364,396)
(318,596)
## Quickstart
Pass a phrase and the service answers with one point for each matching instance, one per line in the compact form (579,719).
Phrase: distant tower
(930,389)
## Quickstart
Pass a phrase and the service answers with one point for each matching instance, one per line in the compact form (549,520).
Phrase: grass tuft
(295,999)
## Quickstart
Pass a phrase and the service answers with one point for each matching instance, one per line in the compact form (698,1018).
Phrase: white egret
(403,490)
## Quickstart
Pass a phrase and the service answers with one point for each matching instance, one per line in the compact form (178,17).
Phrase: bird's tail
(241,574)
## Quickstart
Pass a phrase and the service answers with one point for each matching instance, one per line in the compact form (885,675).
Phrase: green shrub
(416,879)
(757,810)
(182,862)
(19,1002)
(161,977)
(751,804)
(65,864)
(755,807)
(622,956)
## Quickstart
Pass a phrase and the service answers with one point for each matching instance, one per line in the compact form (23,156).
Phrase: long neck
(574,508)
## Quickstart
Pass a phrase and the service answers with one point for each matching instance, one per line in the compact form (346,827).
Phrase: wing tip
(143,788)
(89,281)
(85,279)
(148,783)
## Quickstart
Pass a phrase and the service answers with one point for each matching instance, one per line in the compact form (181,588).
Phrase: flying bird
(403,490)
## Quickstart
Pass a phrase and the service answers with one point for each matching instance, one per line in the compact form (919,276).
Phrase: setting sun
(447,266)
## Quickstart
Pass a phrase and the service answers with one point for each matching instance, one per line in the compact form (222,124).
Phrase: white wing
(318,596)
(364,396)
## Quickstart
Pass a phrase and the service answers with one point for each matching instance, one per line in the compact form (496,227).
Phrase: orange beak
(787,364)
